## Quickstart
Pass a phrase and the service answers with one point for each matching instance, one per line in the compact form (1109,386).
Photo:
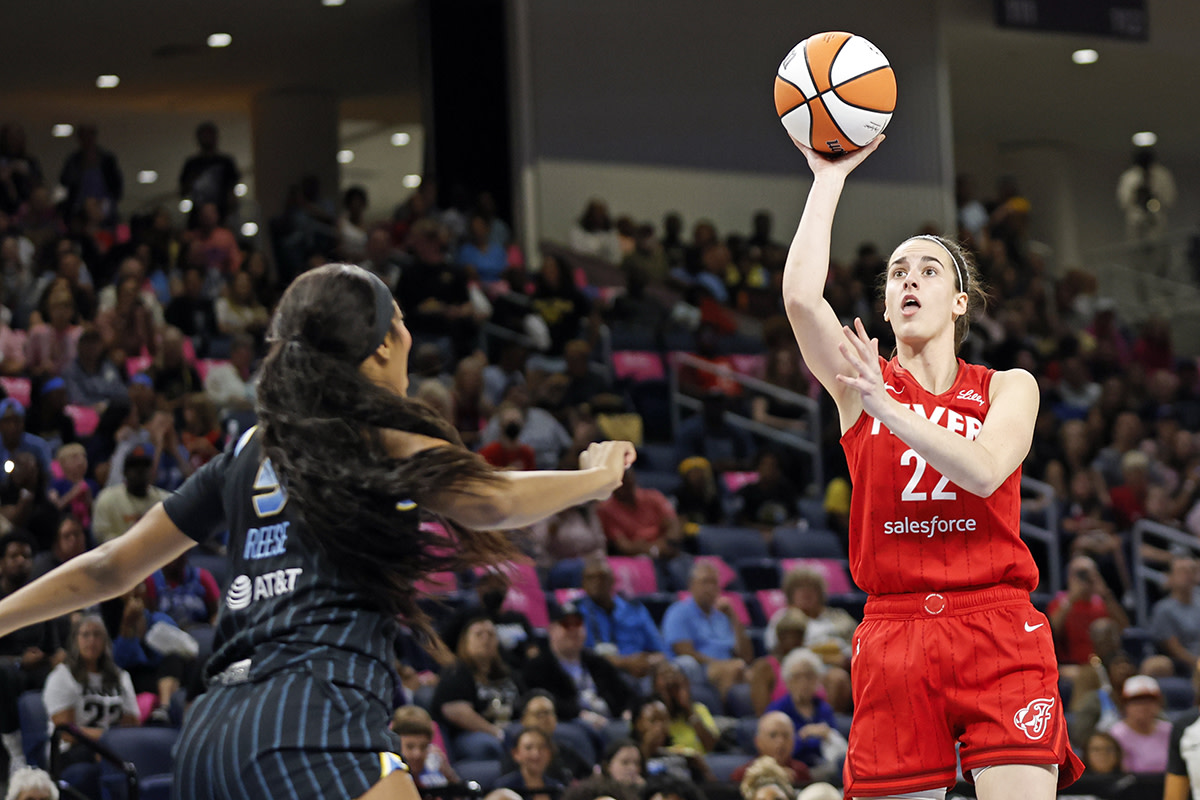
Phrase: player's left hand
(862,353)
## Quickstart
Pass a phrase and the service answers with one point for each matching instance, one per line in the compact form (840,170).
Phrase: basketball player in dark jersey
(323,504)
(951,655)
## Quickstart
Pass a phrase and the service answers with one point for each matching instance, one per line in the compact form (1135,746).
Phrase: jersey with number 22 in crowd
(912,529)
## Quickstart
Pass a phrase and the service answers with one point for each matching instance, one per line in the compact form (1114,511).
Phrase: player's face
(921,299)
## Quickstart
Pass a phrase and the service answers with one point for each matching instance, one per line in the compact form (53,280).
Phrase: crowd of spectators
(129,345)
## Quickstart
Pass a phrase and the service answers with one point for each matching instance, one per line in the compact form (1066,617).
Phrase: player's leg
(396,786)
(1017,782)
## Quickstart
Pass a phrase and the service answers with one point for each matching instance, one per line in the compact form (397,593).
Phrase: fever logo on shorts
(1034,719)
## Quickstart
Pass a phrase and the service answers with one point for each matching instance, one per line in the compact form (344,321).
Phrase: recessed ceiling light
(1145,138)
(62,130)
(332,3)
(147,176)
(220,40)
(400,139)
(411,181)
(345,156)
(107,82)
(1085,56)
(240,190)
(249,228)
(185,205)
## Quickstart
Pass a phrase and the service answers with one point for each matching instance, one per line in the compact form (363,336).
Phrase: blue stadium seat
(813,511)
(758,619)
(35,727)
(792,542)
(747,729)
(852,604)
(217,565)
(758,573)
(666,482)
(1065,688)
(1177,692)
(757,639)
(149,750)
(842,723)
(485,773)
(708,697)
(730,543)
(203,634)
(1138,643)
(656,604)
(724,764)
(657,457)
(737,702)
(565,574)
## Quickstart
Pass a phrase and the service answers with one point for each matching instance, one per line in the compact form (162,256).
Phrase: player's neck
(932,363)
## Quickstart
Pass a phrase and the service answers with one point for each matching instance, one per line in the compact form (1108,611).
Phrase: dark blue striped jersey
(286,606)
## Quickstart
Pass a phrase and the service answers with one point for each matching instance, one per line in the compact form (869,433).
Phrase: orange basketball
(835,92)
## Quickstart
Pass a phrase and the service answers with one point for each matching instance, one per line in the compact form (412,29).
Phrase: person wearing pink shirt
(640,521)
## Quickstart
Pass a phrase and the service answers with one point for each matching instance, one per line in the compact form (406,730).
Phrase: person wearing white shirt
(232,385)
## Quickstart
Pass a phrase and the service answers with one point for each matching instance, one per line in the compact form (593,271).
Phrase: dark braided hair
(321,421)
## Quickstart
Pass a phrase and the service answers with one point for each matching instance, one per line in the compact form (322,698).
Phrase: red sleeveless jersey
(911,529)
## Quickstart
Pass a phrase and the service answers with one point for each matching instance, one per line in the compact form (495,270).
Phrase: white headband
(962,283)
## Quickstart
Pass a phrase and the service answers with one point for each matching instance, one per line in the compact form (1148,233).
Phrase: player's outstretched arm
(111,570)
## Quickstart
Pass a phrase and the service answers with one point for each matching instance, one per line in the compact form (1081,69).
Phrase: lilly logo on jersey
(1034,719)
(267,541)
(244,590)
(961,424)
(970,394)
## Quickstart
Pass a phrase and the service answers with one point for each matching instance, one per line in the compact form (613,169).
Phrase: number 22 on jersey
(910,492)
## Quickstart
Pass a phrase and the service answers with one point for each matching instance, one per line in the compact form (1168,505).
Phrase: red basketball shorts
(975,668)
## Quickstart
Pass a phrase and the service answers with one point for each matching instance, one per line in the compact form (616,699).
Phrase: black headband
(384,312)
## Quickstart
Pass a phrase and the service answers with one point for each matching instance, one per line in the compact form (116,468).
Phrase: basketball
(835,92)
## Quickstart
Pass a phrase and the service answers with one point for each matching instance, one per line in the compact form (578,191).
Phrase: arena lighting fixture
(185,205)
(240,190)
(249,228)
(1145,138)
(62,130)
(220,40)
(147,176)
(411,181)
(9,466)
(1085,56)
(400,139)
(345,156)
(332,3)
(107,82)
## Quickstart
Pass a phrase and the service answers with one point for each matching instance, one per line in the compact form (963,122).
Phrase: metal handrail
(127,767)
(811,447)
(1143,572)
(1047,534)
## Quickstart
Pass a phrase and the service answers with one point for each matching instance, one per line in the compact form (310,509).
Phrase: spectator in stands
(533,752)
(561,305)
(231,385)
(623,763)
(25,501)
(1175,621)
(819,744)
(240,311)
(764,779)
(209,176)
(620,630)
(704,633)
(1086,598)
(171,460)
(434,293)
(640,521)
(1127,433)
(31,783)
(133,267)
(539,429)
(48,418)
(381,259)
(594,233)
(481,252)
(537,711)
(69,541)
(91,172)
(352,233)
(1103,754)
(828,633)
(192,312)
(727,447)
(509,371)
(20,172)
(512,628)
(157,655)
(783,370)
(584,385)
(74,493)
(472,409)
(1183,771)
(127,329)
(769,501)
(118,507)
(775,738)
(570,534)
(766,676)
(174,375)
(52,344)
(91,379)
(426,762)
(1144,737)
(661,756)
(586,687)
(697,501)
(475,697)
(26,655)
(509,450)
(692,725)
(88,690)
(211,246)
(1129,498)
(201,435)
(189,595)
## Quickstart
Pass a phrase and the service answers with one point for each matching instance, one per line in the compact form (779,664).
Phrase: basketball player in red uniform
(950,649)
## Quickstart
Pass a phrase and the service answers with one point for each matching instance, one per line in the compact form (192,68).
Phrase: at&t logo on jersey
(243,590)
(1034,719)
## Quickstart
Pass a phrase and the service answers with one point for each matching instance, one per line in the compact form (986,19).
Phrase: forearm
(461,714)
(807,264)
(533,496)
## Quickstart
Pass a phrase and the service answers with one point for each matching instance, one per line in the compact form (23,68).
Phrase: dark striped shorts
(293,736)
